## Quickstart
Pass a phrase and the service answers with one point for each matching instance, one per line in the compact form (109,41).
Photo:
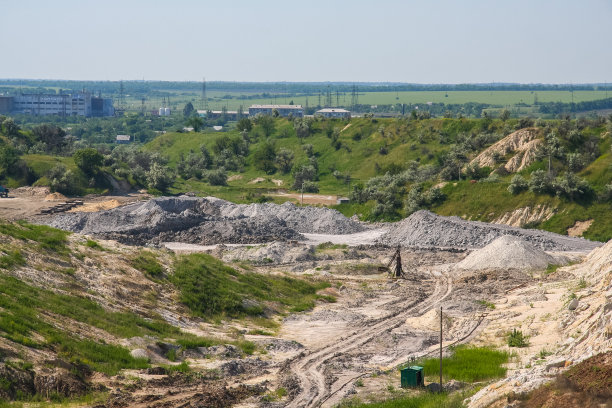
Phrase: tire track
(309,369)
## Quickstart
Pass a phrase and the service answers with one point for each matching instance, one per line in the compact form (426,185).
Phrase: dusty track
(309,369)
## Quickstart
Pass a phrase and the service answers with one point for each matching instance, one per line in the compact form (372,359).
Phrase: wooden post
(440,348)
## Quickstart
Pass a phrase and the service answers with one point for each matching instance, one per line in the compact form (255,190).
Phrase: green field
(501,98)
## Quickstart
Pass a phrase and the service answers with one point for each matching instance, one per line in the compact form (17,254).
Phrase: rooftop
(276,106)
(123,137)
(339,110)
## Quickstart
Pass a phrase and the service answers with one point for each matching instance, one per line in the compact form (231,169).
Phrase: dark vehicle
(4,192)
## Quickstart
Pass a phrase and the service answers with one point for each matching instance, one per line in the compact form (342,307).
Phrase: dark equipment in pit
(394,267)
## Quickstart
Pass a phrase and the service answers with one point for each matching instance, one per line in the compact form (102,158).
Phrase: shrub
(88,160)
(518,184)
(159,177)
(217,177)
(62,180)
(572,187)
(517,339)
(310,187)
(540,182)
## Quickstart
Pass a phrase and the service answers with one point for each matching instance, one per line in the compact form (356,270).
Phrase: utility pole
(440,348)
(302,193)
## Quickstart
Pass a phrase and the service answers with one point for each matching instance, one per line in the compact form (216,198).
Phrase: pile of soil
(55,197)
(101,206)
(205,221)
(425,229)
(508,252)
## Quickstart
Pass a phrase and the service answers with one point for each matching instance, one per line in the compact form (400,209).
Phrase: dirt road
(315,388)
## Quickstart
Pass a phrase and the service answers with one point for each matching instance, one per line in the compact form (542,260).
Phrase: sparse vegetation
(210,288)
(517,339)
(147,263)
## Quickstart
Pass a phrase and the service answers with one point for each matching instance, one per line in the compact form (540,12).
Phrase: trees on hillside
(89,160)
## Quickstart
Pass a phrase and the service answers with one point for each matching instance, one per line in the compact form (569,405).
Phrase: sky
(426,41)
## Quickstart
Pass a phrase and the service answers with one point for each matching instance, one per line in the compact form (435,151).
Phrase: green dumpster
(412,377)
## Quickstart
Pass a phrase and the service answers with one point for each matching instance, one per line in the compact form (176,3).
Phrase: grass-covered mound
(210,288)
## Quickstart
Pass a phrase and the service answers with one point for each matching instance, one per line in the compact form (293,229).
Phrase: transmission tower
(328,101)
(204,98)
(142,105)
(354,97)
(121,95)
(337,98)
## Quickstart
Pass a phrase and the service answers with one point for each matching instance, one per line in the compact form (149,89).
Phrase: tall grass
(48,238)
(469,364)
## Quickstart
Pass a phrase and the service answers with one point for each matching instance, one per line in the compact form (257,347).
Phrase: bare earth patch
(579,228)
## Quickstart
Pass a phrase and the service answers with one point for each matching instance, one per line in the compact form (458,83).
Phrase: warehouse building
(283,110)
(77,104)
(334,113)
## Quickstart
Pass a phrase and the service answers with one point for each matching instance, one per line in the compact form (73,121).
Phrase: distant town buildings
(334,113)
(123,139)
(283,110)
(76,104)
(218,114)
(164,112)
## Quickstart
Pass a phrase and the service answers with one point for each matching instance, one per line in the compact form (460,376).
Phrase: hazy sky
(425,41)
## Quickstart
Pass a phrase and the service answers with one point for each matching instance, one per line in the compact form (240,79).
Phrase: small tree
(540,182)
(265,156)
(572,187)
(244,124)
(303,173)
(266,122)
(195,122)
(188,109)
(284,160)
(89,160)
(504,115)
(159,177)
(518,184)
(217,177)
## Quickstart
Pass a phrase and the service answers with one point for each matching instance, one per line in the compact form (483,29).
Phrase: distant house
(123,139)
(283,110)
(218,114)
(334,113)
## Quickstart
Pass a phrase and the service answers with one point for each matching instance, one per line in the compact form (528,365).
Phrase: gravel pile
(205,221)
(424,229)
(508,252)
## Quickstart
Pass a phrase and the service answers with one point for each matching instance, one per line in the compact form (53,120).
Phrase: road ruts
(309,369)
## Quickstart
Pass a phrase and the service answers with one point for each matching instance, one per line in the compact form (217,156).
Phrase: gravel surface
(426,229)
(205,221)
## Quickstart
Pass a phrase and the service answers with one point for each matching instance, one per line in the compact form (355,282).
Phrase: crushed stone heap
(205,221)
(425,229)
(508,252)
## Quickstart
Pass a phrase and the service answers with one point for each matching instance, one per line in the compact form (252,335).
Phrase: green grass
(247,347)
(94,245)
(11,259)
(516,338)
(424,400)
(147,263)
(210,288)
(23,311)
(328,245)
(494,97)
(48,238)
(468,364)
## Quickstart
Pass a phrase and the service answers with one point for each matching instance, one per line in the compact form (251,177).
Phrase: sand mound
(93,207)
(55,197)
(29,191)
(425,229)
(507,252)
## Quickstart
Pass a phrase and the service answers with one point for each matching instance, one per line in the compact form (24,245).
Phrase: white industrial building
(283,110)
(77,104)
(334,113)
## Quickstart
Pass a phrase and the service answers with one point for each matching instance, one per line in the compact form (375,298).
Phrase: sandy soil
(308,198)
(579,228)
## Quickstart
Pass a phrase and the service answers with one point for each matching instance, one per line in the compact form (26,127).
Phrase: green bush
(518,184)
(517,339)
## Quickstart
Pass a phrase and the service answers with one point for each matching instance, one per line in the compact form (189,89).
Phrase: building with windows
(76,104)
(334,113)
(283,110)
(219,114)
(123,139)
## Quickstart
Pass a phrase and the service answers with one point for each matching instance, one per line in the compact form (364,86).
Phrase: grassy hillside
(74,304)
(366,149)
